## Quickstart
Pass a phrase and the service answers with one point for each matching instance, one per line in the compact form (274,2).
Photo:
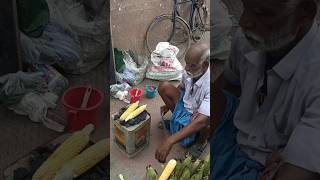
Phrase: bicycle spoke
(161,29)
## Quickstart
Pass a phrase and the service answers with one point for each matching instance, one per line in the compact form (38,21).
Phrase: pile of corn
(71,159)
(132,115)
(182,170)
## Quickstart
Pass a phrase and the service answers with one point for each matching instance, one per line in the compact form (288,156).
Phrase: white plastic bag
(132,73)
(91,31)
(164,64)
(57,44)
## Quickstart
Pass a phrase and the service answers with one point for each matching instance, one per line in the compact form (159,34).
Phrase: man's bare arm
(180,86)
(218,99)
(289,171)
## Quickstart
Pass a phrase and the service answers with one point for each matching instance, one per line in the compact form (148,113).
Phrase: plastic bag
(57,44)
(133,74)
(14,86)
(164,64)
(222,25)
(92,34)
(57,83)
(120,91)
(36,106)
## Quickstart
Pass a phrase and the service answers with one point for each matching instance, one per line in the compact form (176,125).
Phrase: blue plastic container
(151,91)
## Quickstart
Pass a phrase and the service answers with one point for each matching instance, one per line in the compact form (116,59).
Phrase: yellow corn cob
(168,169)
(121,177)
(85,161)
(130,109)
(136,112)
(65,152)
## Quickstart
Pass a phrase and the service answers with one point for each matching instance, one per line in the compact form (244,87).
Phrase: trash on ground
(91,29)
(15,85)
(120,91)
(164,64)
(57,83)
(28,94)
(57,43)
(74,37)
(134,68)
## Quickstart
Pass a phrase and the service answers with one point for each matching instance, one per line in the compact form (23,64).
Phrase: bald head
(197,60)
(197,53)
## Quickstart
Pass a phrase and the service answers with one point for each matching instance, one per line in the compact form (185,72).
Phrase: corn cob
(168,169)
(86,160)
(186,174)
(205,178)
(130,109)
(65,152)
(186,163)
(121,177)
(198,175)
(195,166)
(178,170)
(151,173)
(206,168)
(136,112)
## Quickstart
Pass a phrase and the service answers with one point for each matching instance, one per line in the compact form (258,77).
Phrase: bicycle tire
(160,30)
(199,27)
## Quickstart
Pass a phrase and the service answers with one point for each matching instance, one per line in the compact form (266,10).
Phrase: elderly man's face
(195,67)
(269,25)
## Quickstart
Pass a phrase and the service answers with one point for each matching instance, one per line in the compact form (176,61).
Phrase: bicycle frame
(175,12)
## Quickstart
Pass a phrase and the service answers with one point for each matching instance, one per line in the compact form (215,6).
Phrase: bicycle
(174,29)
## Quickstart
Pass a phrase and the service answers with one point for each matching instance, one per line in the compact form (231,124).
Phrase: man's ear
(307,11)
(206,64)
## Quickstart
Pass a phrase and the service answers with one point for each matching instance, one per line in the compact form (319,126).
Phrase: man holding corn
(267,102)
(189,103)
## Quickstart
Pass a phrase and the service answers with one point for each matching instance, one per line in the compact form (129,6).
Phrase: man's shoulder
(240,42)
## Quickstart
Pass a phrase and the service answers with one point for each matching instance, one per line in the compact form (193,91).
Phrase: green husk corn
(195,166)
(187,162)
(186,174)
(178,169)
(151,173)
(206,168)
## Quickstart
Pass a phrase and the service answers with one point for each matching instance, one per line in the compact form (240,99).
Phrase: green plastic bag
(33,16)
(119,60)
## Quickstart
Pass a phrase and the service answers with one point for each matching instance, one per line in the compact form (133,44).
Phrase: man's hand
(198,123)
(164,109)
(276,169)
(272,165)
(163,150)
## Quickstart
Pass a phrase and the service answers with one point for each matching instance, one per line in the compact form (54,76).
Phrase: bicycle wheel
(160,30)
(199,23)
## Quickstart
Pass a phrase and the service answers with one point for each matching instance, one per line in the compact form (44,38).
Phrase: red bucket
(135,95)
(77,117)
